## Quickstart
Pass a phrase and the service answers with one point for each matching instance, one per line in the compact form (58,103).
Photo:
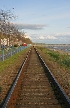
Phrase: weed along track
(32,89)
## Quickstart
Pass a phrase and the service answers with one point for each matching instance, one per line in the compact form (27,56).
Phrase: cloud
(51,37)
(27,36)
(47,37)
(30,26)
(41,37)
(62,34)
(57,38)
(68,27)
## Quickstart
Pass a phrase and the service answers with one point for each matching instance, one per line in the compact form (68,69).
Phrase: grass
(62,59)
(5,64)
(54,55)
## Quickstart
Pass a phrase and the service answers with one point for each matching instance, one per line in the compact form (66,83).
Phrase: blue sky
(45,21)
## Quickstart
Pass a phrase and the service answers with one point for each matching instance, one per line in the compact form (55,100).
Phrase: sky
(44,21)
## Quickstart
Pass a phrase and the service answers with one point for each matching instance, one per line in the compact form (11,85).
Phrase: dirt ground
(61,74)
(7,76)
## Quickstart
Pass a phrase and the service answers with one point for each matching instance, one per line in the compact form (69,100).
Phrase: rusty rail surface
(56,86)
(11,97)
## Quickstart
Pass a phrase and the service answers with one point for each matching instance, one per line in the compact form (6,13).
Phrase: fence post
(3,52)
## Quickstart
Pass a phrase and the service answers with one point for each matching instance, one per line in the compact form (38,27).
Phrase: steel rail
(57,87)
(51,78)
(8,97)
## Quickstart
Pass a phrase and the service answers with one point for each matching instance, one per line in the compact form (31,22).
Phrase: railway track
(32,89)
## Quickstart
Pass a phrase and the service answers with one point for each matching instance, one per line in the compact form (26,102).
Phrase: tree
(8,30)
(5,27)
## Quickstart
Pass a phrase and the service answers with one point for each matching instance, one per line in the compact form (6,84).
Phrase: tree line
(8,31)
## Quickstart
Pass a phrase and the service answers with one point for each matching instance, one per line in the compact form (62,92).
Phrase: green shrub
(54,55)
(16,45)
(66,61)
(62,59)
